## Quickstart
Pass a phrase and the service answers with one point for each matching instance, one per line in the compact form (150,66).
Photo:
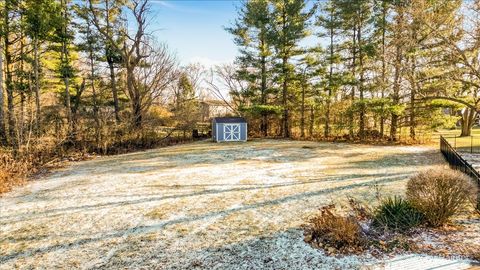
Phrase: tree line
(359,69)
(93,74)
(87,74)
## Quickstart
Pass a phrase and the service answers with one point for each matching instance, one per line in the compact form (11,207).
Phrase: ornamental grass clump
(396,214)
(440,193)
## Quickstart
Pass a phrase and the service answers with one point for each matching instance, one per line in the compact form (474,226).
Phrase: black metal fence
(464,144)
(458,163)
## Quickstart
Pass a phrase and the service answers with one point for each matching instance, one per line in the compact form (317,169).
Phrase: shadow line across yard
(145,229)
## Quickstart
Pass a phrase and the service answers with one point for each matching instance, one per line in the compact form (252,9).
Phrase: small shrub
(329,230)
(396,214)
(440,193)
(12,171)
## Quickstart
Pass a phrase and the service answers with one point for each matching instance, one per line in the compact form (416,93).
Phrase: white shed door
(231,132)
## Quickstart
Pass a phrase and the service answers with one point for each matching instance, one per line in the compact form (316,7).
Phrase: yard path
(205,205)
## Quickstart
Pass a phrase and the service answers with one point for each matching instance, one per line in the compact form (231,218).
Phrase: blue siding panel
(243,131)
(221,136)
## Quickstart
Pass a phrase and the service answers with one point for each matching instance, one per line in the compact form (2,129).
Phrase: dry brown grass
(46,152)
(12,171)
(334,232)
(440,193)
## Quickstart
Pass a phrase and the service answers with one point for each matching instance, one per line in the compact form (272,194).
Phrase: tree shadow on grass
(159,226)
(149,198)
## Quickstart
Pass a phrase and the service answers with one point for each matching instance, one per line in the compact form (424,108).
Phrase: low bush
(330,230)
(12,171)
(396,214)
(440,193)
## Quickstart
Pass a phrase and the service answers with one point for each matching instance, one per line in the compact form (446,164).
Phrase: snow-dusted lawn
(205,205)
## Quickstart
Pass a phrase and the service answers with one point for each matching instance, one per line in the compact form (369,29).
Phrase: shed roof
(229,120)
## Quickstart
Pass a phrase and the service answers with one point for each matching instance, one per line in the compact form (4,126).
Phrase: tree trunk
(285,126)
(467,121)
(384,68)
(3,132)
(113,85)
(137,114)
(264,127)
(94,97)
(330,84)
(397,74)
(68,107)
(327,114)
(352,93)
(37,86)
(21,128)
(302,119)
(134,96)
(312,121)
(412,120)
(110,60)
(413,81)
(396,92)
(66,75)
(21,122)
(9,84)
(360,86)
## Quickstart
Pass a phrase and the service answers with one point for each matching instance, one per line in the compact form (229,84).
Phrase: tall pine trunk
(330,84)
(66,73)
(413,91)
(113,85)
(68,106)
(384,67)
(285,126)
(21,121)
(413,80)
(94,97)
(397,72)
(312,122)
(352,93)
(9,81)
(361,82)
(110,61)
(37,86)
(302,119)
(3,133)
(264,127)
(396,92)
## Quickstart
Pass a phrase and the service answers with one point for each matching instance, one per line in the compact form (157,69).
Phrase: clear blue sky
(195,29)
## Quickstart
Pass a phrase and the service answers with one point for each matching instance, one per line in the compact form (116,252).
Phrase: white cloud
(163,3)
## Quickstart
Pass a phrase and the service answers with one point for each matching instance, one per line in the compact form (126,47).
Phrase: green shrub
(396,214)
(440,193)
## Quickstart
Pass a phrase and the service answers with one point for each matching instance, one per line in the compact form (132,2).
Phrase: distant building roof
(214,102)
(229,120)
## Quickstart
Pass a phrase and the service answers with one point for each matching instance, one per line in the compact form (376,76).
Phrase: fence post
(471,144)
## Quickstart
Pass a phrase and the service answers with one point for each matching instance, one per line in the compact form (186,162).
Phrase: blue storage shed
(229,129)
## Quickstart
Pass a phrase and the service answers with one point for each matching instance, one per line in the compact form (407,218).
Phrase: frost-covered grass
(204,205)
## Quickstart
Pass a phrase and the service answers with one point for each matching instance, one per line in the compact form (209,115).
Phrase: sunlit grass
(464,144)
